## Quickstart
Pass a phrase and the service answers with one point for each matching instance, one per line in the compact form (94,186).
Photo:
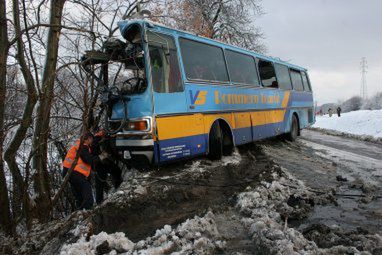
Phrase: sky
(329,38)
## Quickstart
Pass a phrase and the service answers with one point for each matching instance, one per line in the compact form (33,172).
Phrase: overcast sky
(329,37)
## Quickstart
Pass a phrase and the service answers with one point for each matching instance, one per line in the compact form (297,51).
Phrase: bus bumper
(135,149)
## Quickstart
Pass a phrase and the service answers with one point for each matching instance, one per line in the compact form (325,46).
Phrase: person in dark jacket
(104,168)
(79,178)
(339,111)
(330,111)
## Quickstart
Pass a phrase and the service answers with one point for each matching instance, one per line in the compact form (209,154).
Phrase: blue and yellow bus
(180,95)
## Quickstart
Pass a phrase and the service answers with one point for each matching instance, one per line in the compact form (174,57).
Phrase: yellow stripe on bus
(285,99)
(197,124)
(209,119)
(242,119)
(179,126)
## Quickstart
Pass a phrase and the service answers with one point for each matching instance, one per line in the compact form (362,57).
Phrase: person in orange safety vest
(79,178)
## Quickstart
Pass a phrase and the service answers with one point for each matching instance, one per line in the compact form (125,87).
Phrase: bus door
(168,92)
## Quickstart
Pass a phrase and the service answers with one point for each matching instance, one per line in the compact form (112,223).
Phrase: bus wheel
(215,142)
(227,142)
(292,135)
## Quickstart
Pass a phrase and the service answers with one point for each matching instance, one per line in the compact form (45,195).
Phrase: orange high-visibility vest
(81,166)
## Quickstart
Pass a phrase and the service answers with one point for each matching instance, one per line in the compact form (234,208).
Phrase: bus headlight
(138,125)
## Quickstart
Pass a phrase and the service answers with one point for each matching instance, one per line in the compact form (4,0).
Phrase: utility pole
(363,66)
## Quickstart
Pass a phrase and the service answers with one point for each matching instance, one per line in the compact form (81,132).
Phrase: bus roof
(124,25)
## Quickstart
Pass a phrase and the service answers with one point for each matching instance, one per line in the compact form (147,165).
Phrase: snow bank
(194,236)
(362,123)
(116,241)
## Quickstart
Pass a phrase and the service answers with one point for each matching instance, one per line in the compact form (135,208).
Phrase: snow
(116,241)
(362,123)
(194,236)
(234,159)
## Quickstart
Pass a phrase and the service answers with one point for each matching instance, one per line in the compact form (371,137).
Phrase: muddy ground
(319,195)
(348,168)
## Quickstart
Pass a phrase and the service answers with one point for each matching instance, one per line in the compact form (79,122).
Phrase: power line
(364,67)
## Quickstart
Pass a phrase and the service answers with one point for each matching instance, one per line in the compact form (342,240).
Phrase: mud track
(349,169)
(171,195)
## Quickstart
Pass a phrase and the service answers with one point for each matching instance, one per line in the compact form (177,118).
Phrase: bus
(176,95)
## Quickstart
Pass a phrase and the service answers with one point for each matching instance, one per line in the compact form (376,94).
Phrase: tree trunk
(41,132)
(5,213)
(26,121)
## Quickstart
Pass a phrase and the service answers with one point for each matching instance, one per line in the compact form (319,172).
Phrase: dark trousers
(102,170)
(82,191)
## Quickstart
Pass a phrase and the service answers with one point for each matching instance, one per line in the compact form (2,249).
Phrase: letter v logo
(199,98)
(194,97)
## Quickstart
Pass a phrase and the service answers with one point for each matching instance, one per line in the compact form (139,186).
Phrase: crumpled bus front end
(133,115)
(126,108)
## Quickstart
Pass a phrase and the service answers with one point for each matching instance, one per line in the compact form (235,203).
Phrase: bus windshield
(126,71)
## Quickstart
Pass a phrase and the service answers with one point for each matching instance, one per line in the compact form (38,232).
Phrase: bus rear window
(296,80)
(305,80)
(242,68)
(283,77)
(267,74)
(202,61)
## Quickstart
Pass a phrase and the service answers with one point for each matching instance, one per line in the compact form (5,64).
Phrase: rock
(103,248)
(341,179)
(141,190)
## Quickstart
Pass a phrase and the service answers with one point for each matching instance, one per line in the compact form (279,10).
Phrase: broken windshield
(127,70)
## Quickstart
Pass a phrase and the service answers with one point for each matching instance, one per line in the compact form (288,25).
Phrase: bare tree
(6,221)
(41,131)
(352,104)
(230,21)
(26,120)
(57,84)
(373,103)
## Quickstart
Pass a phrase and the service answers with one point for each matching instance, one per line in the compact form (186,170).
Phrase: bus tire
(226,138)
(294,130)
(215,142)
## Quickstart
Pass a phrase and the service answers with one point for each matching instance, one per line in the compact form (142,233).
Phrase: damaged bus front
(125,91)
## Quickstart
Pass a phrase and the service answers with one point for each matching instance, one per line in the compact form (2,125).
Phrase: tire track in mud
(354,211)
(180,191)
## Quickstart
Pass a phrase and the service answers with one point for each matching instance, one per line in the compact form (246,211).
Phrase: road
(350,168)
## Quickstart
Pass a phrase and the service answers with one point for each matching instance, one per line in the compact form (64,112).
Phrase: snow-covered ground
(194,236)
(361,123)
(263,208)
(264,211)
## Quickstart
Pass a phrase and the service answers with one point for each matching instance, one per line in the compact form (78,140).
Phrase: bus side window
(283,77)
(267,74)
(242,68)
(296,80)
(202,61)
(165,72)
(305,80)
